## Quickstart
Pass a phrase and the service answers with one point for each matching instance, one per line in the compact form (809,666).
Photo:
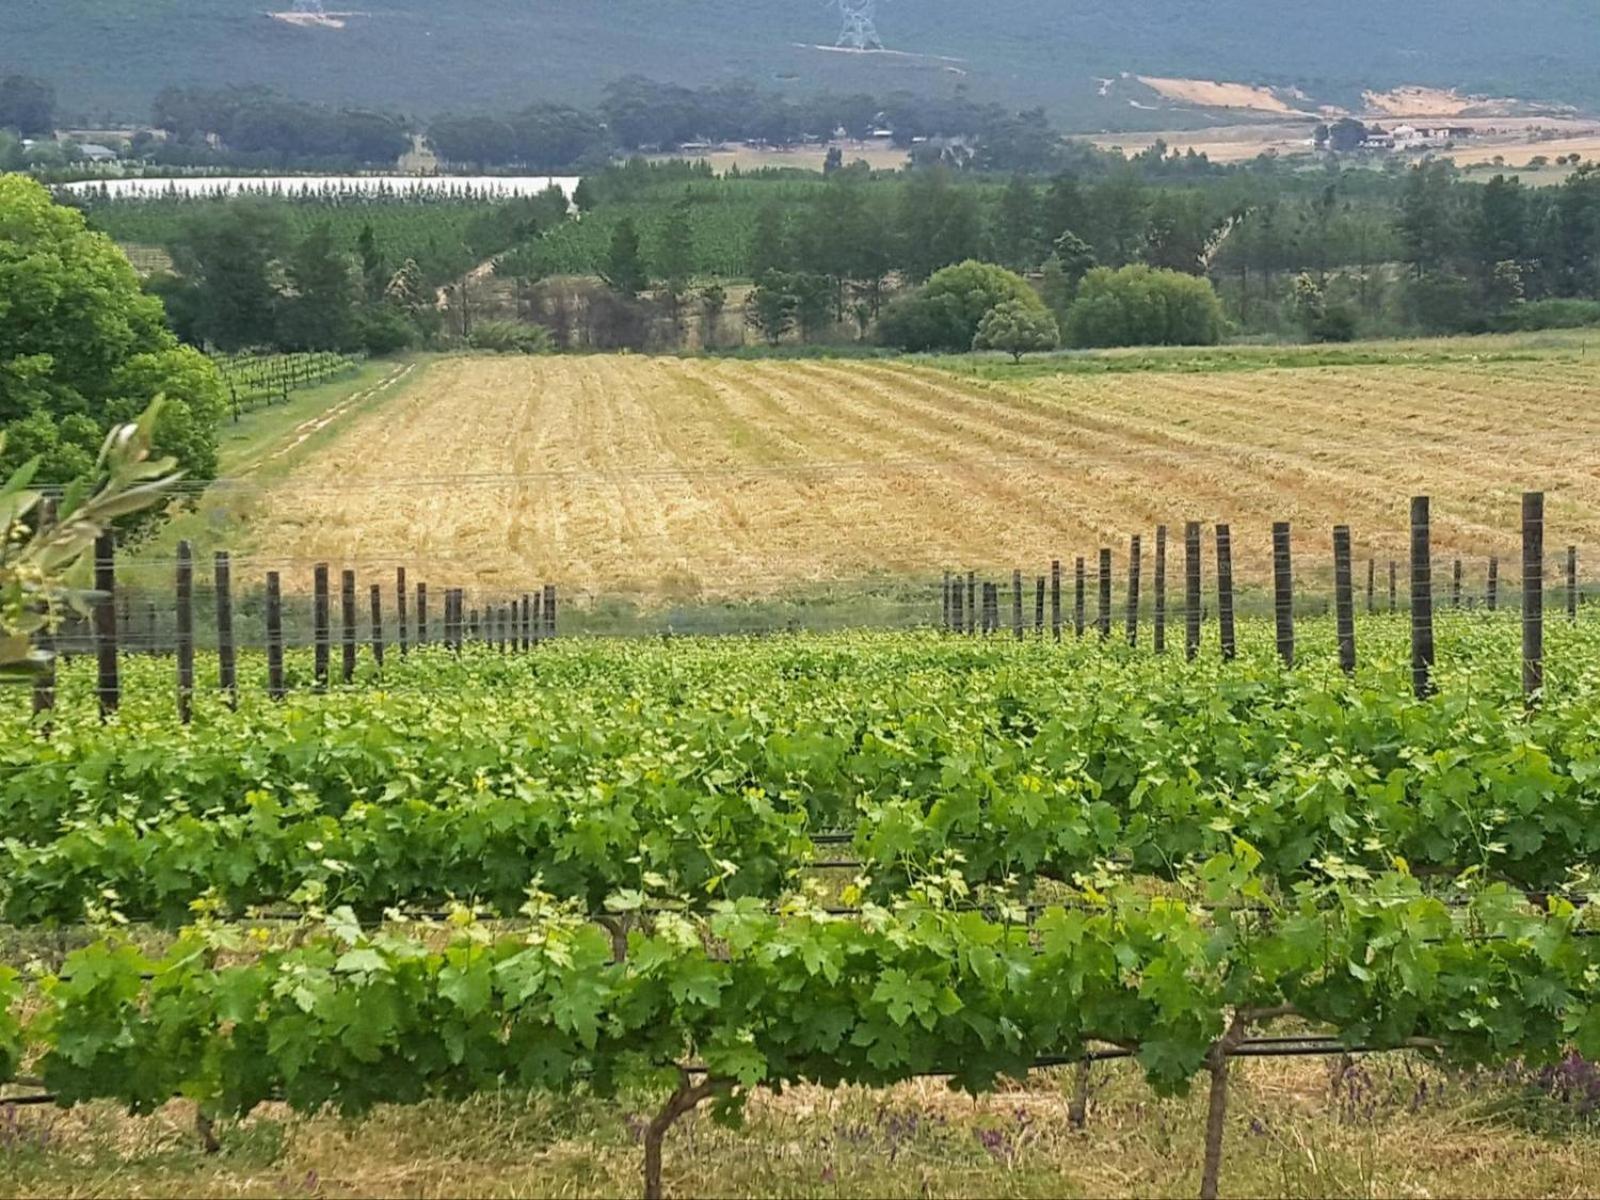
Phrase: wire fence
(1159,589)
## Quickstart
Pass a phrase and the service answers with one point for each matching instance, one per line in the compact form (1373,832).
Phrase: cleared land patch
(666,477)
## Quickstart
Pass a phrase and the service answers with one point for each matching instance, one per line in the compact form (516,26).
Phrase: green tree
(624,271)
(374,270)
(944,313)
(675,254)
(770,307)
(1138,305)
(231,256)
(939,223)
(1063,272)
(320,312)
(1016,328)
(27,105)
(1015,234)
(713,300)
(769,244)
(82,349)
(1428,221)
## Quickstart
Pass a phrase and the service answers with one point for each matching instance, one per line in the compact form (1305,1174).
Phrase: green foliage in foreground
(1059,845)
(683,772)
(352,1017)
(82,350)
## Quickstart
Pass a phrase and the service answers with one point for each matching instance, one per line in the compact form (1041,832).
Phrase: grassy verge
(1507,347)
(1382,1125)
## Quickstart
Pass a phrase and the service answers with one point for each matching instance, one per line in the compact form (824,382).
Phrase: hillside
(423,57)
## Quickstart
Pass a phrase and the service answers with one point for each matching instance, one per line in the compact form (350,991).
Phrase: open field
(667,477)
(1515,139)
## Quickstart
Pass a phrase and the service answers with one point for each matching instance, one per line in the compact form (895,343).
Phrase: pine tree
(624,271)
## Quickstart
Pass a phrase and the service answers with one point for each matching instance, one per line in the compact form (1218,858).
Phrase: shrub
(944,313)
(1553,314)
(382,330)
(1016,328)
(510,337)
(1141,306)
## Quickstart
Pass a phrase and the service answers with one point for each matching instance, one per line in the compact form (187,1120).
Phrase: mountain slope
(109,57)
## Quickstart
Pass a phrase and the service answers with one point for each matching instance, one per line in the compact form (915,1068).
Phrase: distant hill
(108,58)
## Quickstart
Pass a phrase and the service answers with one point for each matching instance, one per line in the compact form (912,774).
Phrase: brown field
(666,477)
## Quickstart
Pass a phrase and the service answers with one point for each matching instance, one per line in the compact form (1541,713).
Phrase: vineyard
(719,868)
(446,234)
(253,380)
(366,823)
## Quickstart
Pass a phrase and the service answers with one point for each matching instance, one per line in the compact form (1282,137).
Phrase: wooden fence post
(347,618)
(1455,585)
(1225,592)
(319,626)
(1038,606)
(972,602)
(1134,565)
(377,625)
(1421,600)
(1283,590)
(1532,595)
(109,686)
(185,630)
(1343,601)
(1016,604)
(422,614)
(275,687)
(1394,595)
(1372,572)
(1077,597)
(944,596)
(527,622)
(400,611)
(1492,588)
(1102,615)
(1191,589)
(1572,583)
(1159,635)
(958,614)
(1055,598)
(227,658)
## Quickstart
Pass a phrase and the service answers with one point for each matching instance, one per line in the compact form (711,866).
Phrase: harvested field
(664,478)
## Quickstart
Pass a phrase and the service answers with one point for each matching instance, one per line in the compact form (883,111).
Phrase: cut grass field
(663,478)
(1386,1125)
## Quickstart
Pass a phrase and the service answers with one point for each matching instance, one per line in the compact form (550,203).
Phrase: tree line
(1326,254)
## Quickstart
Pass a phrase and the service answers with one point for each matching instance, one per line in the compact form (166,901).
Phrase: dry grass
(659,477)
(1380,1133)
